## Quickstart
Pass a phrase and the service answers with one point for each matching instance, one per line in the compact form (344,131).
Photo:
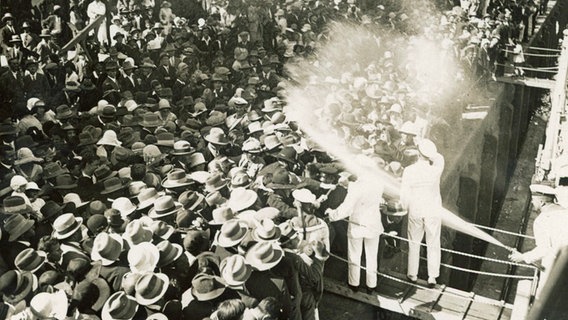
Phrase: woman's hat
(147,197)
(113,184)
(151,287)
(264,255)
(215,182)
(232,233)
(234,270)
(241,199)
(16,286)
(143,257)
(206,287)
(176,178)
(16,225)
(164,206)
(25,155)
(107,248)
(119,306)
(65,225)
(136,232)
(30,260)
(46,305)
(222,215)
(109,139)
(169,252)
(266,230)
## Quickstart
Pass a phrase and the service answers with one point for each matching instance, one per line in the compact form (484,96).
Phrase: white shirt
(549,233)
(420,188)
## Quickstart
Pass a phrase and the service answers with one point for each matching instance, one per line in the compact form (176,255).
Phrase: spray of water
(351,72)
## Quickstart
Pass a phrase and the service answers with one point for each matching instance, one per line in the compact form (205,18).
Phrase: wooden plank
(339,288)
(483,309)
(454,307)
(421,300)
(522,300)
(82,34)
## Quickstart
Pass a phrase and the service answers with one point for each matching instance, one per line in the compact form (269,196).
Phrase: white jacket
(420,188)
(362,206)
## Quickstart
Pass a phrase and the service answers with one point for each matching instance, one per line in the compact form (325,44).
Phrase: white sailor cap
(541,189)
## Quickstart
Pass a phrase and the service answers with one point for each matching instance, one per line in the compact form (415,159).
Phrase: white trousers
(417,227)
(354,248)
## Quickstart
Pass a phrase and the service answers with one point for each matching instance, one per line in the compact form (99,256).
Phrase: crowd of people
(150,171)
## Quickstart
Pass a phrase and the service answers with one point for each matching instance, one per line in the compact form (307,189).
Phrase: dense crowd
(150,171)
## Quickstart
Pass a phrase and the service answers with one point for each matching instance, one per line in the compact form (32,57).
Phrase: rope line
(534,54)
(452,251)
(503,231)
(526,68)
(438,291)
(544,49)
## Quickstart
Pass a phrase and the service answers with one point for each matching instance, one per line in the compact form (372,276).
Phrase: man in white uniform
(549,229)
(362,206)
(420,195)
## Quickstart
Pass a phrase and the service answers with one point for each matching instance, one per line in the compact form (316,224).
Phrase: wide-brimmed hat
(264,255)
(16,225)
(75,199)
(151,287)
(113,184)
(165,139)
(124,205)
(143,257)
(169,252)
(241,199)
(136,232)
(271,142)
(215,182)
(266,230)
(164,206)
(65,182)
(86,138)
(119,306)
(63,112)
(272,104)
(72,86)
(53,169)
(234,270)
(151,120)
(182,147)
(65,225)
(15,205)
(103,173)
(205,287)
(190,199)
(7,16)
(287,154)
(30,260)
(46,305)
(16,285)
(15,38)
(221,215)
(51,209)
(147,197)
(25,155)
(232,233)
(176,178)
(217,136)
(161,229)
(107,248)
(240,180)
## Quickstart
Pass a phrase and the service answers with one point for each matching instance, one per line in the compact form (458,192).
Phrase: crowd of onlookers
(149,170)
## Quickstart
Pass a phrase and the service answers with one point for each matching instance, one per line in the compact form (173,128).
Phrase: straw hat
(45,305)
(215,182)
(182,147)
(65,225)
(217,136)
(147,197)
(124,205)
(221,215)
(177,178)
(16,225)
(136,232)
(266,230)
(161,229)
(234,270)
(169,252)
(30,260)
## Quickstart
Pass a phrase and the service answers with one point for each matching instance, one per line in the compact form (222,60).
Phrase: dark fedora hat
(16,225)
(53,169)
(51,209)
(65,182)
(113,184)
(15,286)
(15,205)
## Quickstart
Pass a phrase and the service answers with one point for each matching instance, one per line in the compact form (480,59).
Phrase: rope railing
(533,54)
(416,285)
(543,49)
(527,68)
(503,231)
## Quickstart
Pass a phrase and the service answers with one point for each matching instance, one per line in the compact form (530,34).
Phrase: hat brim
(227,242)
(108,191)
(153,214)
(210,188)
(179,252)
(264,265)
(232,282)
(145,301)
(29,279)
(105,313)
(169,184)
(241,204)
(60,236)
(28,160)
(104,293)
(42,259)
(95,255)
(275,237)
(221,143)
